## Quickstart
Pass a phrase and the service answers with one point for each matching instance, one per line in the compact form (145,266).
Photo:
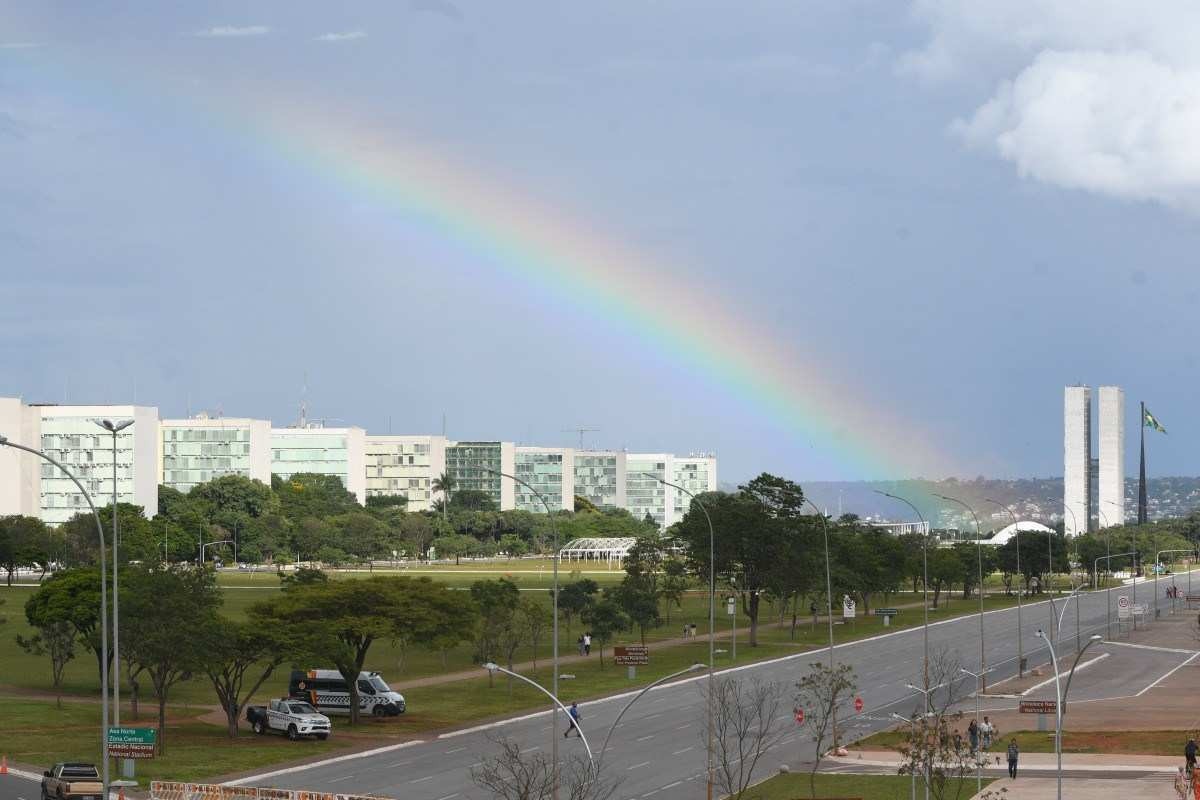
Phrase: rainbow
(844,424)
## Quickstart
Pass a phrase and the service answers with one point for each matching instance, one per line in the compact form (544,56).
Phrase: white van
(326,689)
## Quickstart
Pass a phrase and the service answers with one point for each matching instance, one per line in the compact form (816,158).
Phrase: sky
(831,240)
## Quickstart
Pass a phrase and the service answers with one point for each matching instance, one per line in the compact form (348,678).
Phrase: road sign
(1037,706)
(799,716)
(848,608)
(886,612)
(731,606)
(858,705)
(1123,609)
(631,655)
(131,742)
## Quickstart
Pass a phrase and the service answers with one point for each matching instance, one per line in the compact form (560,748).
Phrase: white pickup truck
(292,717)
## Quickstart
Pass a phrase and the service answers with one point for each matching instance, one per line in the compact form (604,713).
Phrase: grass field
(795,786)
(1148,743)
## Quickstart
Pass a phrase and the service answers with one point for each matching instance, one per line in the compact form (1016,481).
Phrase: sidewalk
(1082,789)
(1040,763)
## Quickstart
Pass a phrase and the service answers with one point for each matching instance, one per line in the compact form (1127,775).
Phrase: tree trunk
(162,724)
(133,697)
(231,717)
(353,687)
(752,612)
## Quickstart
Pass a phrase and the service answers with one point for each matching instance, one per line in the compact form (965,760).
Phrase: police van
(326,689)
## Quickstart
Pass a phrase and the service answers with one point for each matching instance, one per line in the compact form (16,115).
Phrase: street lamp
(928,713)
(712,600)
(829,604)
(636,697)
(114,428)
(979,678)
(912,772)
(554,529)
(4,442)
(1060,696)
(493,667)
(979,548)
(924,582)
(1020,579)
(1108,589)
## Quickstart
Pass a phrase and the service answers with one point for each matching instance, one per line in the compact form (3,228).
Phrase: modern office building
(474,465)
(1111,484)
(73,436)
(1077,459)
(406,465)
(550,471)
(20,472)
(697,473)
(666,505)
(324,451)
(600,478)
(197,450)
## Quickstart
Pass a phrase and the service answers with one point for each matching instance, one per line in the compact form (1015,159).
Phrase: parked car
(294,718)
(326,689)
(72,780)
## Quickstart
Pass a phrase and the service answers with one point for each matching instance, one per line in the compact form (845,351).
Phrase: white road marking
(1168,674)
(398,763)
(1080,668)
(448,796)
(422,780)
(531,749)
(669,785)
(652,716)
(684,750)
(1153,647)
(684,727)
(644,738)
(343,778)
(322,763)
(455,750)
(637,766)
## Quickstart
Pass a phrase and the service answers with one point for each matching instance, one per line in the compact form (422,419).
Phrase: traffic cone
(3,765)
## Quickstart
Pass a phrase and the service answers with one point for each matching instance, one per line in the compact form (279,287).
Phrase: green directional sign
(887,612)
(131,742)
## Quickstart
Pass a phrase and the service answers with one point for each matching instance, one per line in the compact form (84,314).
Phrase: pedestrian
(1013,753)
(587,643)
(1181,784)
(986,731)
(686,628)
(693,630)
(973,735)
(1189,753)
(573,716)
(958,741)
(580,643)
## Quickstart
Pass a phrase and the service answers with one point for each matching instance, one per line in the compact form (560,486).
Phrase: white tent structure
(1005,535)
(609,550)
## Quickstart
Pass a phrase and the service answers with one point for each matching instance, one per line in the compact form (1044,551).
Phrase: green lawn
(795,786)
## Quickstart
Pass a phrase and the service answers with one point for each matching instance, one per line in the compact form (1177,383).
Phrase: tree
(227,498)
(71,597)
(340,620)
(745,725)
(310,495)
(359,534)
(56,640)
(473,500)
(535,619)
(309,535)
(378,501)
(513,774)
(818,694)
(971,555)
(164,610)
(457,545)
(583,505)
(605,619)
(945,569)
(575,597)
(444,484)
(24,542)
(672,585)
(499,632)
(238,657)
(638,600)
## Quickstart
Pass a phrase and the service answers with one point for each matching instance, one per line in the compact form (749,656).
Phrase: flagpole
(1141,518)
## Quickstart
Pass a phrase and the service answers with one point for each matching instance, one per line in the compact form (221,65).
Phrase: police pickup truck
(295,718)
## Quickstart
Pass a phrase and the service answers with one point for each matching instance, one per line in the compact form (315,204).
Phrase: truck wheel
(258,727)
(378,711)
(292,733)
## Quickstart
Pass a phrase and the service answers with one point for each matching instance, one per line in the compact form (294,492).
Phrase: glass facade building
(600,478)
(322,451)
(196,451)
(550,471)
(643,494)
(473,465)
(697,474)
(406,465)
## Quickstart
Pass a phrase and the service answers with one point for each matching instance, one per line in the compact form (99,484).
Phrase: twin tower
(1093,488)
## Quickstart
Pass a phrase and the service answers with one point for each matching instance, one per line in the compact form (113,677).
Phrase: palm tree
(444,483)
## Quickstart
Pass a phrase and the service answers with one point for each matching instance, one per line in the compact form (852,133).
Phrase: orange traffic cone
(3,765)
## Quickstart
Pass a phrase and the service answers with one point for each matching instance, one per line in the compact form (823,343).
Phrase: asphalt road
(658,750)
(13,787)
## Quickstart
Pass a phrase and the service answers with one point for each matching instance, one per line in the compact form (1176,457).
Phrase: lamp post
(210,544)
(1060,697)
(928,713)
(979,678)
(1020,579)
(104,688)
(924,586)
(636,697)
(1075,528)
(114,428)
(712,599)
(828,603)
(493,667)
(912,772)
(554,696)
(1108,589)
(979,551)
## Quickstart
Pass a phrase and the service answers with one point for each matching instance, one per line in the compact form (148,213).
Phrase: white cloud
(1102,96)
(341,37)
(231,31)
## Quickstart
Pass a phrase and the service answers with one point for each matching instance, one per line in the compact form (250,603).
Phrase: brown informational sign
(1037,706)
(631,655)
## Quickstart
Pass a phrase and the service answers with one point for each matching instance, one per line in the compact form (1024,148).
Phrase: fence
(171,790)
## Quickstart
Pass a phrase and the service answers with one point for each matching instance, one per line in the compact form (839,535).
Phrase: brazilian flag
(1150,422)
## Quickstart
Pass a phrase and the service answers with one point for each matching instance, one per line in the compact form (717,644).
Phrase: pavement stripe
(1079,668)
(684,750)
(1169,673)
(1153,647)
(637,766)
(322,763)
(343,778)
(422,780)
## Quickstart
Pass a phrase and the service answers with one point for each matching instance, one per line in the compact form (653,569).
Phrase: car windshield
(301,708)
(378,684)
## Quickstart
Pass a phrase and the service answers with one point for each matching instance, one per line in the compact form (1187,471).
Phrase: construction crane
(581,431)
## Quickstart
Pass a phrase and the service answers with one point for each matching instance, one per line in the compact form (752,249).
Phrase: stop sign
(799,716)
(858,704)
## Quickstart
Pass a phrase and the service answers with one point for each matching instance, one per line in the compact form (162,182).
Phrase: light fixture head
(915,688)
(3,440)
(1095,637)
(491,666)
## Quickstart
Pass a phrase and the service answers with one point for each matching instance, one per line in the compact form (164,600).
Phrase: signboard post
(887,614)
(131,742)
(849,610)
(1039,707)
(731,610)
(632,656)
(1124,610)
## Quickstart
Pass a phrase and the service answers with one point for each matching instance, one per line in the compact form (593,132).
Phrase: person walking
(1181,784)
(579,642)
(986,731)
(1189,754)
(573,716)
(587,643)
(973,736)
(1013,753)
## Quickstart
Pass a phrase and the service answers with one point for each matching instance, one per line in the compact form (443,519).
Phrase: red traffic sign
(799,716)
(858,704)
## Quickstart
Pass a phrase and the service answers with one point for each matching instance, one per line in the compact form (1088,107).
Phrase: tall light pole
(636,697)
(1075,528)
(924,587)
(554,696)
(104,688)
(979,678)
(983,670)
(1108,589)
(712,599)
(1020,579)
(1060,697)
(928,712)
(114,428)
(493,667)
(828,603)
(912,772)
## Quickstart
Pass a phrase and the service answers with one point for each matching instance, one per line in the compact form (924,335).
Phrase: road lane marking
(455,750)
(1079,668)
(398,763)
(448,796)
(638,766)
(422,780)
(343,778)
(1187,661)
(531,749)
(684,727)
(644,738)
(684,750)
(671,785)
(322,763)
(1153,647)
